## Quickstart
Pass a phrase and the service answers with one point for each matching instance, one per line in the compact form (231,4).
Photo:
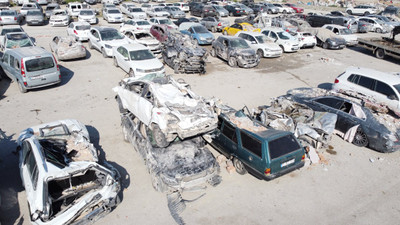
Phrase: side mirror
(392,97)
(253,42)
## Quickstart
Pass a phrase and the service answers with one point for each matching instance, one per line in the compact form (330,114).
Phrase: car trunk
(41,70)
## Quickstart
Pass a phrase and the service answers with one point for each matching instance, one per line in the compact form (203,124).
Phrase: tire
(325,45)
(269,12)
(159,137)
(120,106)
(157,183)
(260,53)
(225,33)
(103,52)
(213,53)
(21,87)
(115,62)
(176,68)
(349,12)
(284,12)
(125,133)
(240,169)
(213,29)
(380,53)
(231,14)
(378,30)
(360,138)
(232,62)
(131,73)
(90,45)
(366,13)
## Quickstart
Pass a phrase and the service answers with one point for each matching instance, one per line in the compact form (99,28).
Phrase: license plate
(287,163)
(37,77)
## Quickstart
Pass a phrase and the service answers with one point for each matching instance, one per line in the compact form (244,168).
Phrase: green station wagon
(264,152)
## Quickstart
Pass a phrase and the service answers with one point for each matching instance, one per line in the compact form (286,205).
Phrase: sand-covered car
(182,53)
(66,48)
(327,39)
(62,176)
(167,108)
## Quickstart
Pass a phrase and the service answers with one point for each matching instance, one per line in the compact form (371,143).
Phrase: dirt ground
(356,186)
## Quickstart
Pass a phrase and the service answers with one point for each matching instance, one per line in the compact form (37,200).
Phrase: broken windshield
(57,130)
(15,42)
(109,35)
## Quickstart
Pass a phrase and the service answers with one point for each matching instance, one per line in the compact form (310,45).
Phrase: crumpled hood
(148,41)
(245,52)
(147,64)
(195,51)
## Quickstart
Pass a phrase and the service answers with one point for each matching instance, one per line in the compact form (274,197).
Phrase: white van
(73,8)
(30,67)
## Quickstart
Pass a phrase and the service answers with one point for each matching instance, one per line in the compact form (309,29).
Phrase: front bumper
(341,46)
(272,54)
(351,43)
(58,23)
(35,22)
(247,63)
(115,20)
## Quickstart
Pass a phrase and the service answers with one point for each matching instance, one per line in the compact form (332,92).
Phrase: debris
(371,160)
(326,59)
(314,158)
(380,159)
(36,111)
(221,159)
(229,167)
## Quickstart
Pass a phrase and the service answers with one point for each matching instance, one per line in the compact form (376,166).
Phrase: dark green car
(264,152)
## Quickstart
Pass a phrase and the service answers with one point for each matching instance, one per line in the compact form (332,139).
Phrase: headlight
(107,46)
(202,39)
(139,70)
(333,42)
(65,19)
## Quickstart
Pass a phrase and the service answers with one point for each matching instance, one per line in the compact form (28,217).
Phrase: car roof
(134,47)
(29,51)
(252,33)
(77,23)
(102,28)
(377,75)
(276,29)
(334,25)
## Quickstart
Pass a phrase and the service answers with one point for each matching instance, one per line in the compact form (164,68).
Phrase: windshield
(270,5)
(34,13)
(261,39)
(384,19)
(165,21)
(397,86)
(60,13)
(141,55)
(239,43)
(6,31)
(284,35)
(218,7)
(143,36)
(50,8)
(142,23)
(158,9)
(8,13)
(83,27)
(109,35)
(114,11)
(39,64)
(18,43)
(345,31)
(136,10)
(86,13)
(174,9)
(200,29)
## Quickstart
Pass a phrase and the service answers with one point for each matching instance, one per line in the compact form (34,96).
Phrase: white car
(126,6)
(146,7)
(79,30)
(87,15)
(135,25)
(167,108)
(73,8)
(145,38)
(157,12)
(113,15)
(343,32)
(381,87)
(105,38)
(183,6)
(163,20)
(307,40)
(136,13)
(260,43)
(137,60)
(361,10)
(59,17)
(63,179)
(286,41)
(283,8)
(8,29)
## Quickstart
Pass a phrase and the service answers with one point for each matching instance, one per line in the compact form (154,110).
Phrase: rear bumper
(283,172)
(42,85)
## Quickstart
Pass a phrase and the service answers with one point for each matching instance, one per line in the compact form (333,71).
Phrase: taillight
(22,68)
(58,68)
(15,18)
(237,11)
(267,171)
(303,157)
(25,84)
(219,24)
(139,28)
(75,32)
(287,30)
(336,81)
(0,18)
(348,26)
(302,39)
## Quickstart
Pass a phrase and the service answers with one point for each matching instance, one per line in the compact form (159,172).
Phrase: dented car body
(63,180)
(66,48)
(183,54)
(185,165)
(360,121)
(168,108)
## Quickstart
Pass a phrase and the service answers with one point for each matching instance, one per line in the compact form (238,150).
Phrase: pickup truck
(264,152)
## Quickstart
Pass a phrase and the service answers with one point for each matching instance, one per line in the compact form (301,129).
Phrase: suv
(30,67)
(361,10)
(202,10)
(320,20)
(382,87)
(265,153)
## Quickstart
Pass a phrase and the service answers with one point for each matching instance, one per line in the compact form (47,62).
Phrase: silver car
(10,17)
(221,11)
(175,12)
(34,17)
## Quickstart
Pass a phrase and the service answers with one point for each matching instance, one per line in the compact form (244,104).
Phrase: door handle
(250,158)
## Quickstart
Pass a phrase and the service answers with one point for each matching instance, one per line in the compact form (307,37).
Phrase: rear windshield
(282,146)
(83,27)
(34,13)
(39,64)
(6,31)
(8,13)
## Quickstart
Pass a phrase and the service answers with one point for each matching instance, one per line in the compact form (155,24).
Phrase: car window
(331,102)
(273,35)
(385,89)
(251,144)
(149,96)
(366,82)
(12,61)
(5,58)
(32,168)
(16,64)
(282,146)
(229,131)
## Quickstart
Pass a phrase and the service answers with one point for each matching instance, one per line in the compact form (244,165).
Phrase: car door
(54,43)
(95,39)
(224,49)
(120,58)
(6,66)
(146,104)
(386,94)
(234,29)
(225,137)
(250,151)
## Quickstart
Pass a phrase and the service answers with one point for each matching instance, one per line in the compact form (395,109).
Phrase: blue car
(197,32)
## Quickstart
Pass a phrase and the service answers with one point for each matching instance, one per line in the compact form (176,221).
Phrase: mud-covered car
(62,176)
(181,166)
(236,51)
(66,48)
(166,108)
(182,53)
(359,120)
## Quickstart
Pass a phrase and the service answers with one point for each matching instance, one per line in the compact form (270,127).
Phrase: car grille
(153,70)
(249,57)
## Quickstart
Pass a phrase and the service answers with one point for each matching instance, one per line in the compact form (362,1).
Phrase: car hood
(205,35)
(58,17)
(115,15)
(147,64)
(87,16)
(148,41)
(272,46)
(116,43)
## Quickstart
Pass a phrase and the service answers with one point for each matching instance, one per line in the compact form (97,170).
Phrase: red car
(295,8)
(160,31)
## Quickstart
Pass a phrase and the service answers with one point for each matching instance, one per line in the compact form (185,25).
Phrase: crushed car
(167,108)
(182,53)
(329,40)
(66,48)
(63,178)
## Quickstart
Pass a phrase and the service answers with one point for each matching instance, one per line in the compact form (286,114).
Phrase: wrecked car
(327,39)
(183,54)
(359,121)
(66,48)
(145,38)
(167,108)
(62,176)
(236,51)
(264,152)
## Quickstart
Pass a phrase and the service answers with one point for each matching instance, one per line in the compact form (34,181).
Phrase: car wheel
(157,183)
(378,30)
(231,14)
(380,53)
(225,32)
(90,45)
(240,169)
(360,138)
(325,45)
(213,53)
(21,87)
(213,29)
(103,52)
(115,62)
(159,137)
(232,62)
(176,68)
(269,12)
(125,132)
(349,12)
(260,53)
(366,13)
(120,106)
(131,73)
(284,12)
